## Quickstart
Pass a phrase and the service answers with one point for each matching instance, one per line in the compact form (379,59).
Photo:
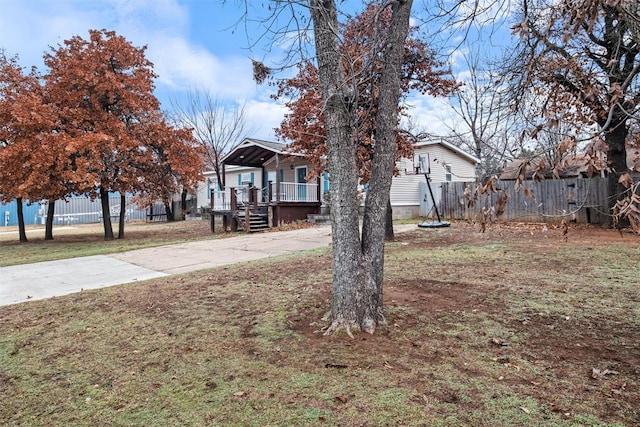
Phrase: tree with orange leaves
(305,125)
(14,93)
(305,128)
(175,161)
(103,90)
(33,159)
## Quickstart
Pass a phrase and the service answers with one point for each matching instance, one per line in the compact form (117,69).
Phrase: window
(447,176)
(245,178)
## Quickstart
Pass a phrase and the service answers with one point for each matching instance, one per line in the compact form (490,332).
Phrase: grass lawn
(513,327)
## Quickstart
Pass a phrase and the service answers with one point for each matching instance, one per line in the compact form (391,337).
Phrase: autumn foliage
(304,127)
(90,126)
(581,62)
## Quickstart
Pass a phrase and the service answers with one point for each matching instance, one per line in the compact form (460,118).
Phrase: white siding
(231,180)
(203,194)
(405,188)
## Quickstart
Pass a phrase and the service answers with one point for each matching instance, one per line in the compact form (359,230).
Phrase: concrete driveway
(22,283)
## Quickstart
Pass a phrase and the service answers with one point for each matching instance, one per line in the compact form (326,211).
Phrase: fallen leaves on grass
(336,366)
(598,374)
(498,342)
(341,399)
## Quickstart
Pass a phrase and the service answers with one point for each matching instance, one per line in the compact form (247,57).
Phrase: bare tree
(217,128)
(486,123)
(631,10)
(581,61)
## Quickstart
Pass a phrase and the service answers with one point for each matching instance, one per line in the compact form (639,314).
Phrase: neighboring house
(235,176)
(446,163)
(74,210)
(578,166)
(573,166)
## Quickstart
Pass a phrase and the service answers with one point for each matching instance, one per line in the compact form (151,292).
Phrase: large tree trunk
(617,158)
(123,207)
(349,303)
(183,203)
(22,232)
(48,227)
(383,157)
(168,212)
(106,214)
(357,265)
(388,226)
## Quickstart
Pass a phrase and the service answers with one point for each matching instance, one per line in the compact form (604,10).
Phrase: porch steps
(257,222)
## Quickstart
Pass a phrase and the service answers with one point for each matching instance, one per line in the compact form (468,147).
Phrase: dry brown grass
(513,327)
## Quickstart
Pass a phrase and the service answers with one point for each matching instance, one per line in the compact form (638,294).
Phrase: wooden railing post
(254,197)
(234,199)
(247,219)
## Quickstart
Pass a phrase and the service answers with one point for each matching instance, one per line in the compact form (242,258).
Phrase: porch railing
(289,192)
(296,192)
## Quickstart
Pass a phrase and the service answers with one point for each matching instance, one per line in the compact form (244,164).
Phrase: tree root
(338,325)
(368,326)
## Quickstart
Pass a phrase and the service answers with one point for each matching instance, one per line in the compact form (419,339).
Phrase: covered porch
(275,193)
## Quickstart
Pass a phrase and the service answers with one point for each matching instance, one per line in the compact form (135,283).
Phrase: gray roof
(255,152)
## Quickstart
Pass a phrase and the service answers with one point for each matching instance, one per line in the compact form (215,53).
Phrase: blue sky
(190,43)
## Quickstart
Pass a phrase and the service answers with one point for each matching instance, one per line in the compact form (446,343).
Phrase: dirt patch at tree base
(595,356)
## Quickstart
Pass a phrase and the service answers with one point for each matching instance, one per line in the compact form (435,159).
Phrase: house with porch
(266,185)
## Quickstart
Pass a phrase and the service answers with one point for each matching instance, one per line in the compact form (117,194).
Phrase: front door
(301,175)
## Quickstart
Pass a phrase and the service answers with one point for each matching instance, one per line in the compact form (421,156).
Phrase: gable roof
(570,167)
(254,152)
(449,146)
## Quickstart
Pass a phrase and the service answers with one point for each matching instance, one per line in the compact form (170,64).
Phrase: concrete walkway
(55,278)
(41,280)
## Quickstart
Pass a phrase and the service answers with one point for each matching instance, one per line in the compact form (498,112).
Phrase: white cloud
(29,28)
(182,67)
(162,25)
(150,16)
(263,117)
(432,115)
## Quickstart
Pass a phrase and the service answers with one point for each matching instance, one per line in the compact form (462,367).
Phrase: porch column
(277,178)
(224,177)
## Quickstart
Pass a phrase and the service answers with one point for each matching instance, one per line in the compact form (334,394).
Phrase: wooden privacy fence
(582,200)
